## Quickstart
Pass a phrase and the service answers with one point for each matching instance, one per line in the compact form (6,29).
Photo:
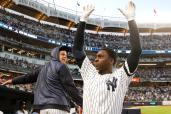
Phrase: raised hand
(129,11)
(87,10)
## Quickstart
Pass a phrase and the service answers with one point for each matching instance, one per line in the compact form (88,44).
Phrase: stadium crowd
(17,63)
(147,94)
(156,72)
(149,42)
(145,72)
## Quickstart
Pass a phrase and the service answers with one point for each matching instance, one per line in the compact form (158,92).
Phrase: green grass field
(155,109)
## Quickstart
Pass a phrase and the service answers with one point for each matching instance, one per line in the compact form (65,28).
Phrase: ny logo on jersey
(112,83)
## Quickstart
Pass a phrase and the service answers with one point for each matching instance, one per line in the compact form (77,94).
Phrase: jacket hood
(55,52)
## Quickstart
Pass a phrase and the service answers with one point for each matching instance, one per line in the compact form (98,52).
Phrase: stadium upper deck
(67,17)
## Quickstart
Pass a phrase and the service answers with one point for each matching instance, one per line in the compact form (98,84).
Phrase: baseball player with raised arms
(105,87)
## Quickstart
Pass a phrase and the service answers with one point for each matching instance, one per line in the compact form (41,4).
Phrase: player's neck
(102,72)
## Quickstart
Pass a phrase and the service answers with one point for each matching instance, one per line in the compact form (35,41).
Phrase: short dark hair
(64,48)
(112,54)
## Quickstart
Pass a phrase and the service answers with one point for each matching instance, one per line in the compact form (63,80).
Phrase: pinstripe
(100,98)
(52,111)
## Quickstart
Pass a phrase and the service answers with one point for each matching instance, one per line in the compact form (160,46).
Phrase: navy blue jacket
(54,85)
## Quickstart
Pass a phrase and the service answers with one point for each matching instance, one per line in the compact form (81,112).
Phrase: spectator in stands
(147,94)
(54,84)
(155,42)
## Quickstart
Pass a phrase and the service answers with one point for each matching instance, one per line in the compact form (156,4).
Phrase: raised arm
(24,79)
(78,48)
(133,57)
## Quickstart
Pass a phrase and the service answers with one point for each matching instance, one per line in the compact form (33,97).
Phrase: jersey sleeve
(125,74)
(87,69)
(127,69)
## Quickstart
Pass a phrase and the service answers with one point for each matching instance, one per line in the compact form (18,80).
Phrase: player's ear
(112,61)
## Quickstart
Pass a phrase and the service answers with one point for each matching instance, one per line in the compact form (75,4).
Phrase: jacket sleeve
(133,57)
(78,48)
(69,86)
(27,78)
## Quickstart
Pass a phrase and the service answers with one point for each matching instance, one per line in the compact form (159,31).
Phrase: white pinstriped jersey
(52,111)
(103,94)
